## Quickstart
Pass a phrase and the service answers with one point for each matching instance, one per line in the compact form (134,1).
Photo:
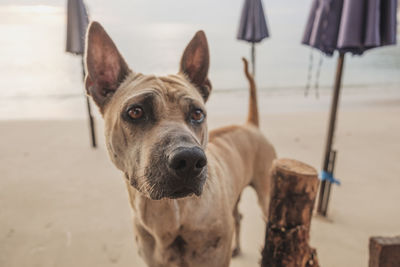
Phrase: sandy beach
(64,204)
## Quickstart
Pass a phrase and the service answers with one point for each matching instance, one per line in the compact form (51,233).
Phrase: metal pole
(91,120)
(325,185)
(253,58)
(91,123)
(329,185)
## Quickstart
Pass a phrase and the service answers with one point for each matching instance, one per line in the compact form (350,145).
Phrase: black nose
(187,162)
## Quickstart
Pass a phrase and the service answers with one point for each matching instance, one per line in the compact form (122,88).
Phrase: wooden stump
(293,192)
(384,251)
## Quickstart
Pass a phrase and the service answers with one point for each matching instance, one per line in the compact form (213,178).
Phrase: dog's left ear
(195,63)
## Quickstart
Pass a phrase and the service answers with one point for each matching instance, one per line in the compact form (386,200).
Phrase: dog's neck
(148,212)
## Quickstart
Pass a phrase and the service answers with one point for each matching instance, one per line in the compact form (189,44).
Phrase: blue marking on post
(327,176)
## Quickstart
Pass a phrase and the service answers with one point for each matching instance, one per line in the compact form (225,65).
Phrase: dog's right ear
(105,67)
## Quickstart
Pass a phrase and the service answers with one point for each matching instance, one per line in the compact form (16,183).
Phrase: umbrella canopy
(351,25)
(253,26)
(77,23)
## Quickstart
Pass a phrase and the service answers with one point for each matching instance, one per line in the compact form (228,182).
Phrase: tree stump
(384,251)
(293,192)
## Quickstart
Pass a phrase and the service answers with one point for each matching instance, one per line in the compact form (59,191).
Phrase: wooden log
(293,192)
(384,251)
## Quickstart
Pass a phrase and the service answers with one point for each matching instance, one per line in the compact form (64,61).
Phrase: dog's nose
(187,162)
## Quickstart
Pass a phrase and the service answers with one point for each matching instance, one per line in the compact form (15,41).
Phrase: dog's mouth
(185,192)
(181,189)
(171,191)
(176,189)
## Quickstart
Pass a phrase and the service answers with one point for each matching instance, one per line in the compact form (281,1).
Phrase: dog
(184,182)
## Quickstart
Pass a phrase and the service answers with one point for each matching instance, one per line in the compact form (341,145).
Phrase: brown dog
(184,183)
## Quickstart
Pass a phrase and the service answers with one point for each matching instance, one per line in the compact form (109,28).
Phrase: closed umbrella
(346,26)
(77,23)
(253,26)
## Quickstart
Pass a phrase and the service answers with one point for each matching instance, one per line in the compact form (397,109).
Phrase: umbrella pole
(91,120)
(328,163)
(91,123)
(253,58)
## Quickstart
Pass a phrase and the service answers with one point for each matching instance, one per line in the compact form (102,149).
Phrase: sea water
(40,80)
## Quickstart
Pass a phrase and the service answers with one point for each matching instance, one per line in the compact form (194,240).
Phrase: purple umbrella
(346,26)
(351,25)
(253,26)
(77,23)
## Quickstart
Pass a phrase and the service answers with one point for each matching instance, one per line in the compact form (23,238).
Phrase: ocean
(40,80)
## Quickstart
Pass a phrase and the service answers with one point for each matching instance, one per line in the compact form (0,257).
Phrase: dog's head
(155,127)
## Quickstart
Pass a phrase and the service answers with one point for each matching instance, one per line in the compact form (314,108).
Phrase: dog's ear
(105,67)
(195,63)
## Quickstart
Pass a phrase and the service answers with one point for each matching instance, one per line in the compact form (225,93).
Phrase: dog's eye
(135,113)
(197,116)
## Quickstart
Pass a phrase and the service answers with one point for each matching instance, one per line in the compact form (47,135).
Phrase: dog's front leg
(237,216)
(146,244)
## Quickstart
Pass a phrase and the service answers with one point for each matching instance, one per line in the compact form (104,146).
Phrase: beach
(65,204)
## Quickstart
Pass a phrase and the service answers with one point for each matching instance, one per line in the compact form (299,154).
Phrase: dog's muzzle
(188,166)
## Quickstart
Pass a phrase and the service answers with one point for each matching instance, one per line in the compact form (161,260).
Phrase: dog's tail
(252,116)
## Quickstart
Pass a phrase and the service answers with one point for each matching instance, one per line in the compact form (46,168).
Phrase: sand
(64,204)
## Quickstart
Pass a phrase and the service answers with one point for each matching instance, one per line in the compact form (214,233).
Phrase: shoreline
(221,101)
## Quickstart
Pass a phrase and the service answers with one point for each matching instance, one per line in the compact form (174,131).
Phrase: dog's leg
(237,217)
(262,187)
